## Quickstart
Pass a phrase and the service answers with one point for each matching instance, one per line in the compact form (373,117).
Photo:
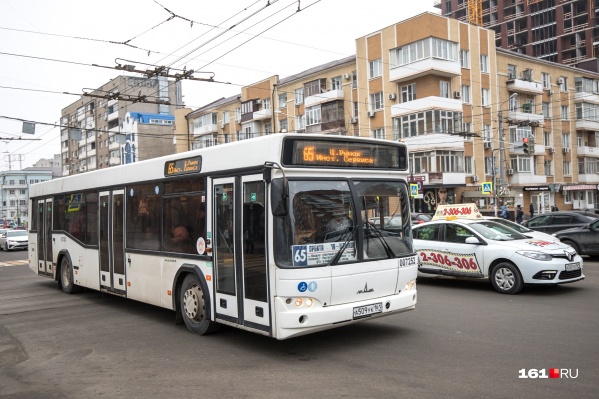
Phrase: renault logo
(569,256)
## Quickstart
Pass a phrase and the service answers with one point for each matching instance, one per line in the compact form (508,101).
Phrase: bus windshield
(364,220)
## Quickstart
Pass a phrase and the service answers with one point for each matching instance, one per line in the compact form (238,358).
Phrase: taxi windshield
(495,231)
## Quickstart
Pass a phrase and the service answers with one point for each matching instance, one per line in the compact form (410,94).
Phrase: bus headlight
(410,285)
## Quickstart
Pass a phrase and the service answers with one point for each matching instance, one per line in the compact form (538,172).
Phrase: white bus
(274,235)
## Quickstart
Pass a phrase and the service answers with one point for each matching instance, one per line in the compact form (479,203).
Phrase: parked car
(556,221)
(584,239)
(419,218)
(458,242)
(14,239)
(522,229)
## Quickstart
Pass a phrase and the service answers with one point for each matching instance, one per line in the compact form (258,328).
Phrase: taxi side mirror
(472,240)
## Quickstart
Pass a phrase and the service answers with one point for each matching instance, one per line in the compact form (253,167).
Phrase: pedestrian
(504,211)
(532,210)
(519,214)
(554,208)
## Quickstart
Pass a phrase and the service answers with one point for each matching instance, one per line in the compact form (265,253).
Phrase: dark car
(555,221)
(585,239)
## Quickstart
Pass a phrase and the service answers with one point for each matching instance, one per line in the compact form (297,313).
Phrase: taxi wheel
(506,279)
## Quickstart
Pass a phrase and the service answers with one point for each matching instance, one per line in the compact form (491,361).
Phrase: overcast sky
(48,48)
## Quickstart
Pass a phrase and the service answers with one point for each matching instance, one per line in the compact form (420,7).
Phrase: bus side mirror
(279,193)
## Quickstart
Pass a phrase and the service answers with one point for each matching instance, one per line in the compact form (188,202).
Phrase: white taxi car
(459,242)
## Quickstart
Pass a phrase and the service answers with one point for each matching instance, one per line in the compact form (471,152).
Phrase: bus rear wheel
(66,277)
(193,302)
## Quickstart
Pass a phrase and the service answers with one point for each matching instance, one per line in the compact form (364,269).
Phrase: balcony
(263,114)
(587,124)
(527,178)
(524,86)
(590,178)
(588,151)
(525,114)
(91,153)
(91,166)
(587,97)
(427,66)
(425,104)
(199,131)
(114,145)
(327,96)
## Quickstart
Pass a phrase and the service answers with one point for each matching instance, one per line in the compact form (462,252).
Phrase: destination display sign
(183,166)
(345,154)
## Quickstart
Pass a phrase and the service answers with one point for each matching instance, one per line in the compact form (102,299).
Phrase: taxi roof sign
(459,211)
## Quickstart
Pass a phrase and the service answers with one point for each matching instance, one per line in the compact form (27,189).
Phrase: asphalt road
(463,341)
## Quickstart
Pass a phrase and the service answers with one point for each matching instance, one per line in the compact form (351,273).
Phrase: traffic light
(525,145)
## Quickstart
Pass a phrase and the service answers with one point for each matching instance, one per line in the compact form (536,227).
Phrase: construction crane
(475,12)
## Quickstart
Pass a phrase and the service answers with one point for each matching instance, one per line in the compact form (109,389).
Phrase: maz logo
(365,289)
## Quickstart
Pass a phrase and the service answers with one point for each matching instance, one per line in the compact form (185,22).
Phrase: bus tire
(193,302)
(66,277)
(506,279)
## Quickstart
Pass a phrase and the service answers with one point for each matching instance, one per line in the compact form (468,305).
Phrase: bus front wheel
(66,277)
(193,306)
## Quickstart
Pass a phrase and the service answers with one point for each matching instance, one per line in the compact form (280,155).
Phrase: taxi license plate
(367,310)
(570,267)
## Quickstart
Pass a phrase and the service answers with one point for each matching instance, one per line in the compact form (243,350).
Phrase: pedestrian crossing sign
(487,187)
(414,190)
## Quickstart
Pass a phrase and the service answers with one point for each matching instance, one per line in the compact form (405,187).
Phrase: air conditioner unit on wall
(347,76)
(510,172)
(552,150)
(353,121)
(487,144)
(560,81)
(475,178)
(457,94)
(566,149)
(392,96)
(370,114)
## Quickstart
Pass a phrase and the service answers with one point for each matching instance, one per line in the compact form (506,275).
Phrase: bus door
(44,237)
(241,271)
(112,254)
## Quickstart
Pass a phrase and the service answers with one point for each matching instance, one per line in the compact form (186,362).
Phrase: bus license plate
(367,310)
(569,267)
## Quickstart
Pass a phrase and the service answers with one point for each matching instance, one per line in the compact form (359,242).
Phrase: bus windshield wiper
(379,235)
(335,259)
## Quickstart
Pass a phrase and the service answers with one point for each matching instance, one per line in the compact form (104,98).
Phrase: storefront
(541,198)
(582,196)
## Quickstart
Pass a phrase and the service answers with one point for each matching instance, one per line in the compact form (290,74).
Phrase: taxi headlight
(535,255)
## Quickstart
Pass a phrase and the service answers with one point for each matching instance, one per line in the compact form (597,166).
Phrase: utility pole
(501,156)
(14,157)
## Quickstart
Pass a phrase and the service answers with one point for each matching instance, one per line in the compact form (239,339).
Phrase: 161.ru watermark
(553,373)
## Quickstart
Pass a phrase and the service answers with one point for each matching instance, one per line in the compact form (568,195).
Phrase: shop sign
(581,187)
(536,188)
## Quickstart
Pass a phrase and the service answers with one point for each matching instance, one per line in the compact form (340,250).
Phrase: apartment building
(462,106)
(563,31)
(14,192)
(92,127)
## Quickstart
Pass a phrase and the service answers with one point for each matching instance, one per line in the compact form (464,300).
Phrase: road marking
(14,263)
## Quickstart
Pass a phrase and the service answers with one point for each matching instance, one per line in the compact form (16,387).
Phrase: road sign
(487,187)
(414,190)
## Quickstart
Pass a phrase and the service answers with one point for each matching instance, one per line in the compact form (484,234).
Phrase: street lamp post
(501,153)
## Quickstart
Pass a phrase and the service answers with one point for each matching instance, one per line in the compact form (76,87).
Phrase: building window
(283,124)
(468,165)
(485,97)
(378,134)
(376,101)
(375,68)
(587,111)
(356,109)
(299,96)
(566,140)
(564,112)
(517,133)
(421,123)
(465,58)
(512,72)
(547,168)
(444,89)
(489,167)
(449,161)
(336,83)
(546,110)
(521,163)
(546,79)
(408,93)
(547,139)
(313,115)
(354,79)
(283,100)
(566,168)
(563,83)
(423,49)
(484,63)
(465,94)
